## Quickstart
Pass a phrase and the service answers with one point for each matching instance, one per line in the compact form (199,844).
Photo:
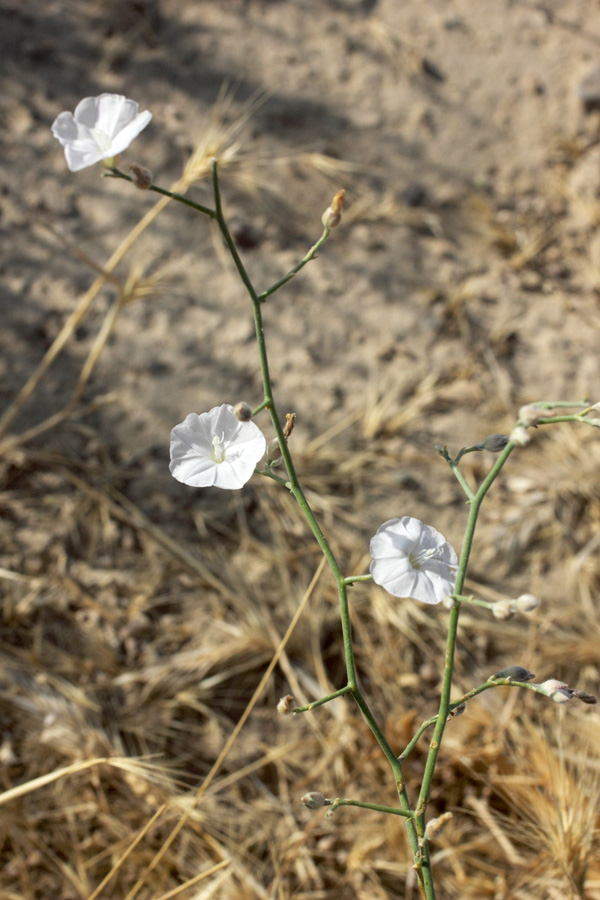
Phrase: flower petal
(395,575)
(114,112)
(65,128)
(391,539)
(87,111)
(123,139)
(78,159)
(193,470)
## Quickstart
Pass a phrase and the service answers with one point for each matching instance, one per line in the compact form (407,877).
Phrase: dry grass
(126,670)
(141,754)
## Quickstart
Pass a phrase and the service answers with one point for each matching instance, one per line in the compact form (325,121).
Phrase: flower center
(218,451)
(102,139)
(419,559)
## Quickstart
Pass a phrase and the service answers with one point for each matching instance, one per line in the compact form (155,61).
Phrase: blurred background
(139,615)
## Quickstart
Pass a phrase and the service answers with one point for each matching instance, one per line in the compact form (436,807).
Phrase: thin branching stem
(444,706)
(491,683)
(415,819)
(322,700)
(462,480)
(116,173)
(390,810)
(310,255)
(295,489)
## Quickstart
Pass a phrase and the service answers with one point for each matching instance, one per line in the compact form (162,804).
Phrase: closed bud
(273,453)
(552,684)
(286,705)
(585,697)
(531,415)
(556,690)
(494,443)
(525,603)
(332,216)
(142,178)
(520,436)
(435,826)
(502,609)
(514,673)
(242,411)
(314,800)
(458,710)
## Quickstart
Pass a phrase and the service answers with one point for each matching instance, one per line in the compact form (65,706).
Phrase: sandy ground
(463,282)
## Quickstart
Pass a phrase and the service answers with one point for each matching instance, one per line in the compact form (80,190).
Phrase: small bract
(215,449)
(101,128)
(411,559)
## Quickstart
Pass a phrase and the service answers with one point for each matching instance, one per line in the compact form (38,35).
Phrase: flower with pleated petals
(100,129)
(215,449)
(411,559)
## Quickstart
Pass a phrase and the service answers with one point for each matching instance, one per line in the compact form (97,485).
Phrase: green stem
(310,255)
(415,738)
(462,480)
(260,408)
(455,703)
(553,420)
(269,473)
(322,700)
(560,404)
(295,489)
(391,810)
(474,601)
(352,579)
(444,706)
(116,173)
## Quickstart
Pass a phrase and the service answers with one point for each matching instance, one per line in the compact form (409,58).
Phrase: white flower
(101,128)
(411,559)
(215,449)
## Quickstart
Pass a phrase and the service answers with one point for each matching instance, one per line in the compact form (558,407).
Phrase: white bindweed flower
(411,559)
(215,449)
(101,128)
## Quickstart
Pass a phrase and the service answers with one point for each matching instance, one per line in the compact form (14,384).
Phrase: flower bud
(314,800)
(531,415)
(458,710)
(290,421)
(552,684)
(142,178)
(561,696)
(273,453)
(286,705)
(502,609)
(435,826)
(332,216)
(514,673)
(520,436)
(242,411)
(525,603)
(585,697)
(494,443)
(556,690)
